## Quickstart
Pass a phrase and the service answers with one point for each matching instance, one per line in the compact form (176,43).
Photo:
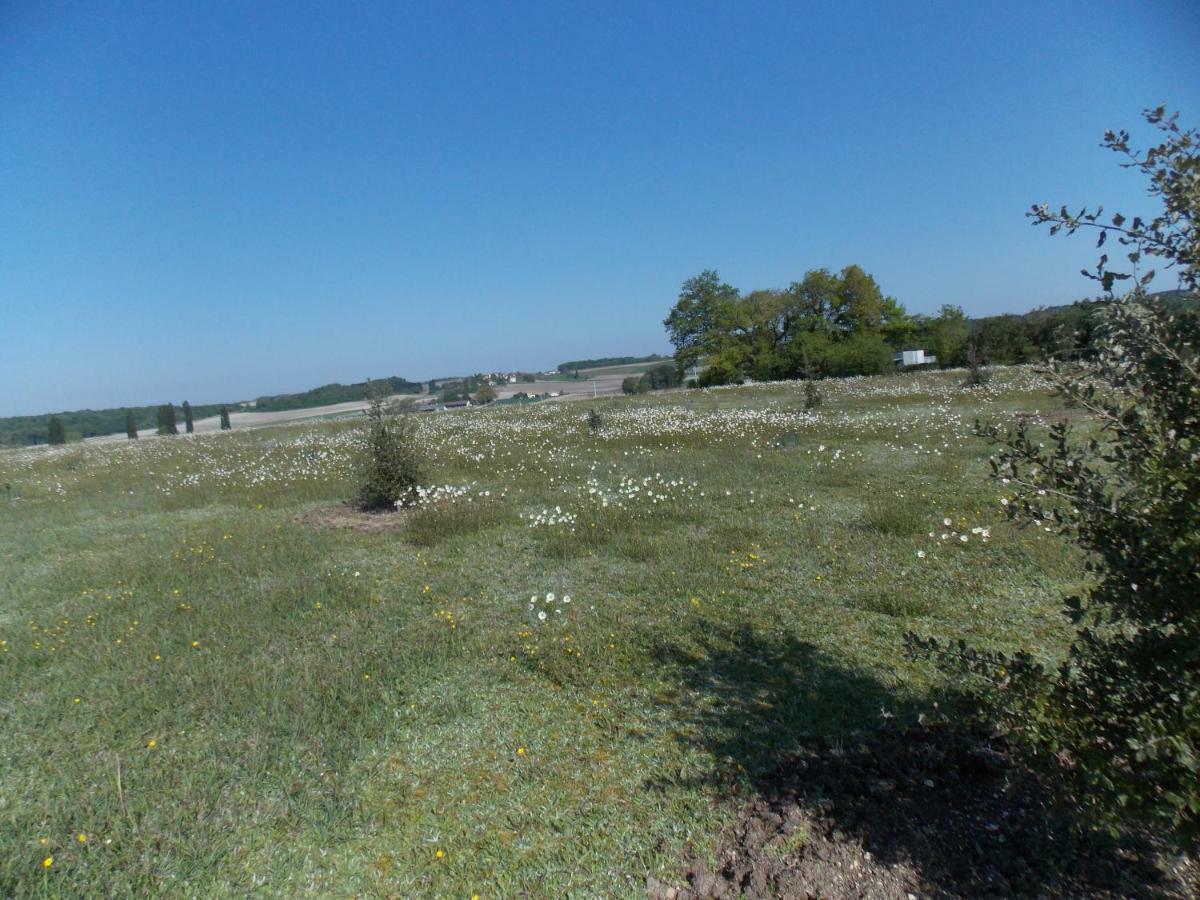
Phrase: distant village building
(906,358)
(439,406)
(500,378)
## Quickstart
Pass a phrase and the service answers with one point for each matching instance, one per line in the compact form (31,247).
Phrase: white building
(914,358)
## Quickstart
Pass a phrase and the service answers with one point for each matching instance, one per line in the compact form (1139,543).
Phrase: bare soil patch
(918,813)
(351,516)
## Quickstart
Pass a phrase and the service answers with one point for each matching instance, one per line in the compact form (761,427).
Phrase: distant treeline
(841,323)
(1041,333)
(327,394)
(568,367)
(667,375)
(17,431)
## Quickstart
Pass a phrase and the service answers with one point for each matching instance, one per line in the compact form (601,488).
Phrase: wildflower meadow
(548,679)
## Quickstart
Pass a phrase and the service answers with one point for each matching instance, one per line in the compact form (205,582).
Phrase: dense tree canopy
(842,321)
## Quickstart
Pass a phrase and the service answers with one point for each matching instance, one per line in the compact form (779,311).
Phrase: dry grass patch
(351,516)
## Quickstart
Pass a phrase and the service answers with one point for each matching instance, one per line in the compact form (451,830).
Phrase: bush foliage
(1119,718)
(391,467)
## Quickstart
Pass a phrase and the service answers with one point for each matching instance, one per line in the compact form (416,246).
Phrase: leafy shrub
(859,354)
(391,466)
(724,368)
(975,373)
(1119,719)
(595,421)
(667,375)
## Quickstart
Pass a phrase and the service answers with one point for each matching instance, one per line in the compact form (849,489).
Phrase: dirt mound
(350,515)
(918,813)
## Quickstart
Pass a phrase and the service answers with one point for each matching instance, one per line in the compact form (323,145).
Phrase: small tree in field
(391,466)
(188,424)
(131,429)
(55,433)
(165,420)
(975,373)
(225,426)
(812,394)
(1119,719)
(595,421)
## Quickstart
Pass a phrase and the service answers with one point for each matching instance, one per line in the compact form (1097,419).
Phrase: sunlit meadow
(204,694)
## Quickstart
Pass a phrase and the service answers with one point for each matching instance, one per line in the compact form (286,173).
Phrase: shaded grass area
(331,709)
(916,808)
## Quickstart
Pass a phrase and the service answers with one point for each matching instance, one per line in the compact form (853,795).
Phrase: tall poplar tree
(188,424)
(131,430)
(225,426)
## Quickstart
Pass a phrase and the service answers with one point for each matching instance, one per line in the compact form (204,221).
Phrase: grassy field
(562,672)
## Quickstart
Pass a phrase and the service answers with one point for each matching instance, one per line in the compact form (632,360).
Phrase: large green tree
(702,319)
(131,429)
(859,302)
(810,304)
(843,322)
(950,332)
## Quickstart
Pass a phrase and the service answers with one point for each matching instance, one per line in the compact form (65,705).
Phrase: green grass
(331,709)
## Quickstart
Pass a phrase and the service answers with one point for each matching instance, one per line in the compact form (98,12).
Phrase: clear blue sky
(211,201)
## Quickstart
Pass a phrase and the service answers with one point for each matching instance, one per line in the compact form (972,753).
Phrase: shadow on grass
(838,800)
